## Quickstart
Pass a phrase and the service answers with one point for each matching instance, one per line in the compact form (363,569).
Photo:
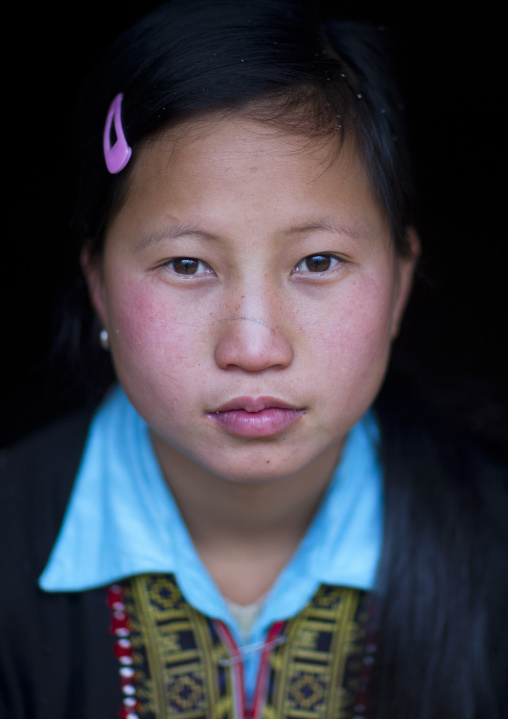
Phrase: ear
(405,270)
(92,270)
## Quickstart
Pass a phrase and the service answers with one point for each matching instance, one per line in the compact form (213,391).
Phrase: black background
(451,60)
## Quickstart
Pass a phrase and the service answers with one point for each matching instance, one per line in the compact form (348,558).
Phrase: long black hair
(443,573)
(284,62)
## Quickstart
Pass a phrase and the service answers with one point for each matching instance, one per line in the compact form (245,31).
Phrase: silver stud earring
(104,340)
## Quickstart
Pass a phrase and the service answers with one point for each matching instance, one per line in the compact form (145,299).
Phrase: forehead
(217,168)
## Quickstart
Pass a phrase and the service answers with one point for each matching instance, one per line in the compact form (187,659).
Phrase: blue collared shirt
(122,520)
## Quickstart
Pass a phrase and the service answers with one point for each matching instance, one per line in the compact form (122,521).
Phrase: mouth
(256,416)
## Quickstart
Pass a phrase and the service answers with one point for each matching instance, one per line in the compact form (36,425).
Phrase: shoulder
(42,442)
(450,464)
(36,479)
(48,641)
(455,421)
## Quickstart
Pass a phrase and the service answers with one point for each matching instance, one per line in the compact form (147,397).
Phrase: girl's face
(251,292)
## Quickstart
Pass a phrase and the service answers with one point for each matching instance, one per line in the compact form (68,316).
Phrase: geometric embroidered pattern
(173,661)
(322,671)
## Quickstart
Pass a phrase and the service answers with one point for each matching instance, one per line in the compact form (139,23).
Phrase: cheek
(151,336)
(353,342)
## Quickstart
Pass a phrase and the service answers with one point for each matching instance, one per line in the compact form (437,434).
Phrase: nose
(252,344)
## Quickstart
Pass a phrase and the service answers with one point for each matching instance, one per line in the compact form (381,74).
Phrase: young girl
(243,528)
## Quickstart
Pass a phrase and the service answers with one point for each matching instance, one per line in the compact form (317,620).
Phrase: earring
(104,340)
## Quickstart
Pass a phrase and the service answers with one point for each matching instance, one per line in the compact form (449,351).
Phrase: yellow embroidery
(177,656)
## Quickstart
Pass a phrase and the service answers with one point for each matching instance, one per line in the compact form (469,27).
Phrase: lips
(256,416)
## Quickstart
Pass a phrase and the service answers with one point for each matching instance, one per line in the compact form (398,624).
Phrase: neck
(244,532)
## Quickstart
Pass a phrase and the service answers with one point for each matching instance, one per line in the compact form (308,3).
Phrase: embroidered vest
(176,663)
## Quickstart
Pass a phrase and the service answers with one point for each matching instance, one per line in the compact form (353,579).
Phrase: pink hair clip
(118,155)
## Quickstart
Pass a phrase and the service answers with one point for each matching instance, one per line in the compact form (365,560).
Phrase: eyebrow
(177,230)
(172,232)
(328,226)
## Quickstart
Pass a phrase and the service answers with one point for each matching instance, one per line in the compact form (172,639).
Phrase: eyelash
(171,265)
(333,261)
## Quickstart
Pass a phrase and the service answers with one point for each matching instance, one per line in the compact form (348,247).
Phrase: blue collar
(122,520)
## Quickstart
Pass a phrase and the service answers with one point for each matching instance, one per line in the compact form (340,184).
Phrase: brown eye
(318,263)
(185,265)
